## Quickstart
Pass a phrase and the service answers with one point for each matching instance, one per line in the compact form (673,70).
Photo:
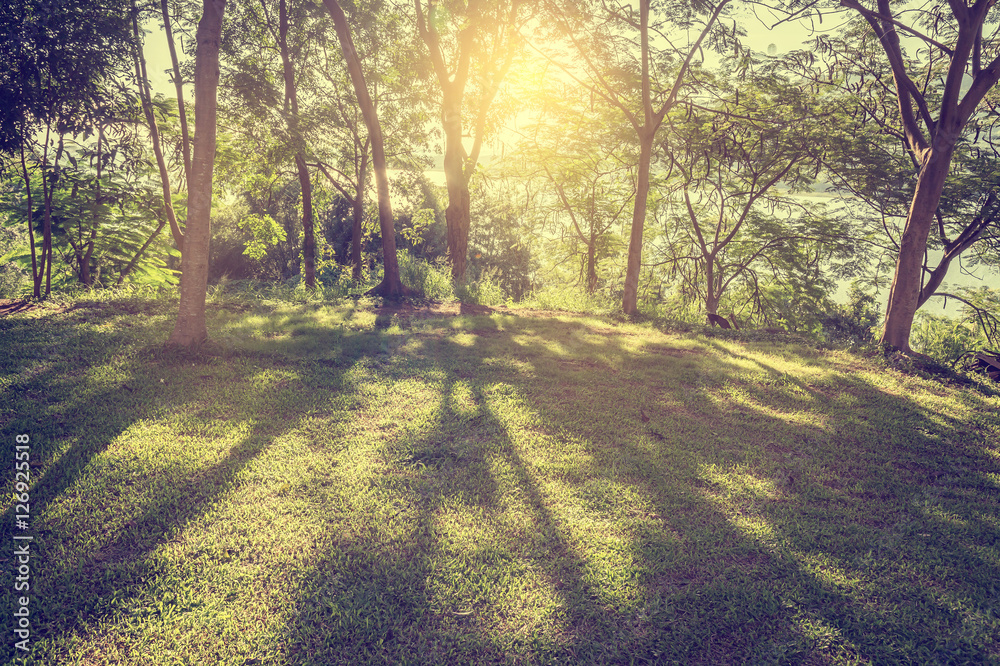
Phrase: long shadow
(790,553)
(782,606)
(680,577)
(454,462)
(84,576)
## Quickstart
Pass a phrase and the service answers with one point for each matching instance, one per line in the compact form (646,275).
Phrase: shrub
(432,281)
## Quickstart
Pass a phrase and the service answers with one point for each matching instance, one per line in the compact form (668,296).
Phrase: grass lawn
(327,484)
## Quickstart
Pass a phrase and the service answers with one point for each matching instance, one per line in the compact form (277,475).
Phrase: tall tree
(583,160)
(482,51)
(391,286)
(145,96)
(190,329)
(644,85)
(291,113)
(265,42)
(733,173)
(937,93)
(58,64)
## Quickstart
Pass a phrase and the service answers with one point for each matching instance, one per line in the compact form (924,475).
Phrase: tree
(937,94)
(268,41)
(643,85)
(734,171)
(145,97)
(291,113)
(485,33)
(58,66)
(190,329)
(391,286)
(343,152)
(583,161)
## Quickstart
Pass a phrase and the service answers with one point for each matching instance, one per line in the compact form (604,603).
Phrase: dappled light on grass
(498,489)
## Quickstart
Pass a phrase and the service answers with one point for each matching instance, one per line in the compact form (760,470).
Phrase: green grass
(323,484)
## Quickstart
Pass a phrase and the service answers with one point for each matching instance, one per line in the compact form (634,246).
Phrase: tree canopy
(657,154)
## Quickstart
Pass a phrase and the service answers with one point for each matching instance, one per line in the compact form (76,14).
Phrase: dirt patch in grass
(9,306)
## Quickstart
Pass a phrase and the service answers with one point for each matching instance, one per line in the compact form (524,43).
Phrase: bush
(483,291)
(854,323)
(942,338)
(431,281)
(571,299)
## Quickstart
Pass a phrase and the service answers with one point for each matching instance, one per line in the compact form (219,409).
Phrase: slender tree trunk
(190,329)
(85,276)
(45,269)
(154,131)
(308,231)
(292,115)
(31,229)
(391,286)
(457,214)
(358,206)
(179,87)
(630,299)
(904,296)
(592,260)
(138,255)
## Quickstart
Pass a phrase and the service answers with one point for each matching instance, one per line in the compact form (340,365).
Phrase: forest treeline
(650,154)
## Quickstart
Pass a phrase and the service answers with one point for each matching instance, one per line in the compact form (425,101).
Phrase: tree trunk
(904,296)
(85,277)
(138,255)
(358,210)
(712,295)
(391,287)
(179,87)
(592,260)
(630,299)
(292,116)
(190,329)
(45,268)
(154,132)
(308,233)
(457,215)
(31,228)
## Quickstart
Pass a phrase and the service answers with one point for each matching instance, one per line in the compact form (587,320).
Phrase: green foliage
(499,245)
(99,225)
(854,323)
(483,290)
(419,222)
(264,232)
(942,338)
(571,299)
(429,280)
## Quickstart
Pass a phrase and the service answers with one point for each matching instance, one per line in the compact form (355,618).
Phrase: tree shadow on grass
(735,533)
(472,537)
(517,518)
(93,563)
(936,590)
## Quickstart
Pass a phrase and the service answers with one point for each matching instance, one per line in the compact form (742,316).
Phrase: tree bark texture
(458,213)
(358,213)
(904,295)
(190,329)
